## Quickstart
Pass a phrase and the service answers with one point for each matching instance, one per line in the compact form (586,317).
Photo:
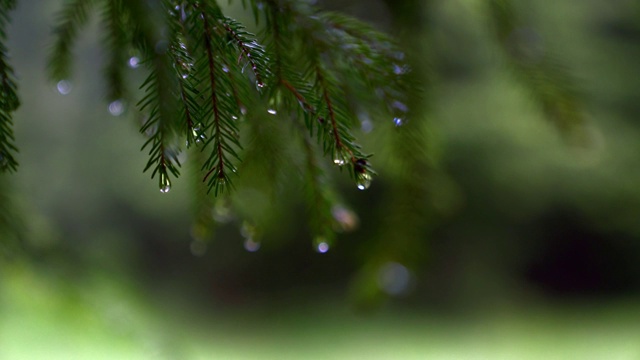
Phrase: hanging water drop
(363,181)
(400,106)
(260,84)
(165,183)
(321,245)
(394,279)
(184,68)
(397,121)
(116,108)
(64,87)
(346,220)
(134,62)
(272,111)
(340,158)
(251,246)
(399,70)
(225,68)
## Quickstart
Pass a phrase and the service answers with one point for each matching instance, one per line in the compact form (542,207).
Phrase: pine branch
(548,82)
(9,101)
(223,129)
(70,21)
(162,156)
(159,102)
(117,41)
(319,199)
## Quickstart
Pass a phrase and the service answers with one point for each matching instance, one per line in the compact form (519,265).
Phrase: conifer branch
(159,101)
(116,39)
(70,21)
(319,200)
(249,49)
(9,100)
(547,80)
(222,128)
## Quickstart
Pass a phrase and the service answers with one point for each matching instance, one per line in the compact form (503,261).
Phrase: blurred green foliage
(518,214)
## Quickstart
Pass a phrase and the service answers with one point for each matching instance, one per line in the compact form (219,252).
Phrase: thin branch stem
(214,100)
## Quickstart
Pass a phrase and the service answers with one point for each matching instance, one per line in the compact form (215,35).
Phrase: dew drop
(366,126)
(397,121)
(260,84)
(394,278)
(116,108)
(64,87)
(251,246)
(364,181)
(399,70)
(339,161)
(134,62)
(225,68)
(346,219)
(243,110)
(321,245)
(272,111)
(165,184)
(340,158)
(400,106)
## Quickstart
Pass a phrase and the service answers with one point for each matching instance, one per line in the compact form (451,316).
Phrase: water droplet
(366,125)
(243,110)
(272,111)
(225,68)
(198,248)
(116,108)
(363,181)
(321,245)
(233,117)
(346,219)
(397,121)
(340,158)
(134,62)
(398,69)
(260,84)
(165,184)
(400,106)
(394,278)
(198,135)
(251,246)
(64,87)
